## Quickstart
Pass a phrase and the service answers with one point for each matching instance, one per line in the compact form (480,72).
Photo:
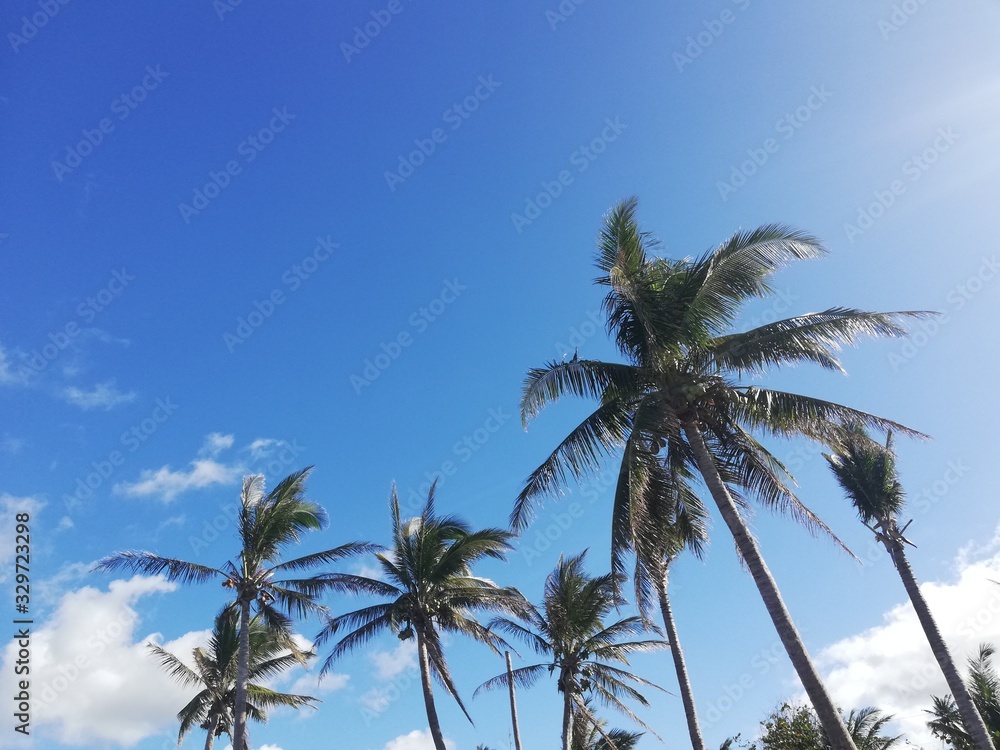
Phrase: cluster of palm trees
(679,413)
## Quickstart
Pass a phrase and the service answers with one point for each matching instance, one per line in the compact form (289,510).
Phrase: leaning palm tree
(984,684)
(429,589)
(214,673)
(571,633)
(679,400)
(866,471)
(267,524)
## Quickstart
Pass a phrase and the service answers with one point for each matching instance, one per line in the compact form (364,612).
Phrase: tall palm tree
(267,524)
(984,685)
(429,589)
(214,673)
(679,400)
(673,521)
(571,633)
(866,471)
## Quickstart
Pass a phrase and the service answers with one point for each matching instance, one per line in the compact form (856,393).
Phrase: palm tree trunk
(425,683)
(971,718)
(242,675)
(513,703)
(832,723)
(687,696)
(210,740)
(567,724)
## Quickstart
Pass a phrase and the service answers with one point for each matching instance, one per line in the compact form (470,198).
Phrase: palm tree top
(670,320)
(427,586)
(214,672)
(570,631)
(866,471)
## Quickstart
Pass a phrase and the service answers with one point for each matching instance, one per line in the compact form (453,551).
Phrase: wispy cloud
(209,467)
(7,374)
(11,445)
(102,396)
(389,664)
(167,484)
(215,443)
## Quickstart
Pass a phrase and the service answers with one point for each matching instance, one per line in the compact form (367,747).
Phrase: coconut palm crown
(570,631)
(268,523)
(866,471)
(214,673)
(428,588)
(678,405)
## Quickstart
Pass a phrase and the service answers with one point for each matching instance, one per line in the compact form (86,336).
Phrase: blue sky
(242,237)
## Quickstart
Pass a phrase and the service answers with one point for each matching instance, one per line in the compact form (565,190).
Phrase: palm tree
(866,472)
(570,631)
(215,671)
(430,588)
(797,728)
(679,402)
(674,520)
(984,685)
(588,735)
(267,523)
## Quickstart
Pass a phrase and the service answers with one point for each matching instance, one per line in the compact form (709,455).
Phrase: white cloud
(262,447)
(415,740)
(310,684)
(93,681)
(891,666)
(215,443)
(102,396)
(7,374)
(389,664)
(10,507)
(168,484)
(9,444)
